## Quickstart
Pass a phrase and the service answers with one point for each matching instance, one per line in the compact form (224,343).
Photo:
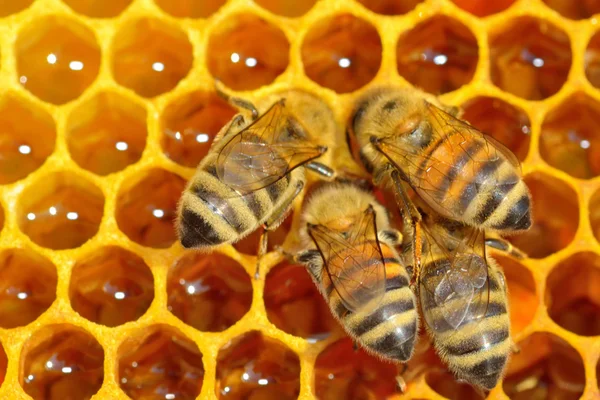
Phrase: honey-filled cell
(438,55)
(27,286)
(190,8)
(530,58)
(287,8)
(295,305)
(595,214)
(483,8)
(150,57)
(8,7)
(61,362)
(96,9)
(250,244)
(446,385)
(551,231)
(190,123)
(210,292)
(254,366)
(341,372)
(246,52)
(111,286)
(574,9)
(57,58)
(503,121)
(546,367)
(60,211)
(159,362)
(572,298)
(147,206)
(106,133)
(390,7)
(592,60)
(21,152)
(570,140)
(332,58)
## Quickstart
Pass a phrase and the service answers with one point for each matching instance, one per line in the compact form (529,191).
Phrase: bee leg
(515,348)
(401,385)
(390,236)
(354,346)
(262,250)
(235,101)
(505,247)
(321,169)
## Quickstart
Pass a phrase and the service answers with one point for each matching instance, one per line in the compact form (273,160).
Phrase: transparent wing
(265,151)
(353,262)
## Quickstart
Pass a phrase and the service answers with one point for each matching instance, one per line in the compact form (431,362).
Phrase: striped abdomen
(467,179)
(388,330)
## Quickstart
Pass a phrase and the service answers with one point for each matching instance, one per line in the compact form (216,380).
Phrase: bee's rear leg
(235,101)
(262,250)
(504,246)
(401,384)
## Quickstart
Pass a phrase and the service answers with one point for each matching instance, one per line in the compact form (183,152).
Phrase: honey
(390,7)
(190,8)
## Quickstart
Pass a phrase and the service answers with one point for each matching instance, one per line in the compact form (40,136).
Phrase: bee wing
(454,284)
(263,152)
(353,262)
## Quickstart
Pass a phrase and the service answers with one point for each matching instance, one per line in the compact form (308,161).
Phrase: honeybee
(255,169)
(461,173)
(349,253)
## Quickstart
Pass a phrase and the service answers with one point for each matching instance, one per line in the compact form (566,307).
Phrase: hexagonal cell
(160,362)
(551,231)
(343,373)
(210,292)
(249,245)
(547,367)
(483,8)
(253,366)
(95,9)
(150,57)
(332,59)
(595,214)
(107,133)
(111,286)
(572,297)
(237,54)
(21,152)
(530,58)
(503,121)
(580,9)
(57,58)
(61,211)
(27,289)
(569,140)
(190,8)
(287,8)
(14,6)
(592,60)
(189,125)
(294,304)
(522,298)
(61,362)
(438,55)
(390,7)
(147,205)
(445,384)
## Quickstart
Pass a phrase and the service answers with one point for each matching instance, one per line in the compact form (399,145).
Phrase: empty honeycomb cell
(580,9)
(483,8)
(344,373)
(150,57)
(294,304)
(57,58)
(190,8)
(546,367)
(445,384)
(530,58)
(189,125)
(95,9)
(111,286)
(61,211)
(592,60)
(253,366)
(390,7)
(332,58)
(159,362)
(210,292)
(147,206)
(438,55)
(287,8)
(237,53)
(595,214)
(551,231)
(21,152)
(8,7)
(572,297)
(570,140)
(249,245)
(522,297)
(61,362)
(107,133)
(503,121)
(27,288)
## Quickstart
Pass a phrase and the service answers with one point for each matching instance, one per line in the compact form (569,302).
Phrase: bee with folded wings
(255,169)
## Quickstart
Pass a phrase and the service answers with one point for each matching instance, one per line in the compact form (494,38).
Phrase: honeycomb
(99,299)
